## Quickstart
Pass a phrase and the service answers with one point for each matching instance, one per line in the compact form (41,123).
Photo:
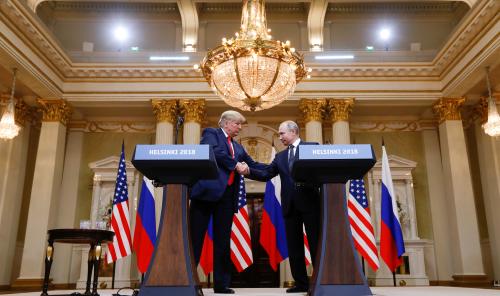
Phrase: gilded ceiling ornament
(193,110)
(340,109)
(55,110)
(165,110)
(312,109)
(23,113)
(448,109)
(480,110)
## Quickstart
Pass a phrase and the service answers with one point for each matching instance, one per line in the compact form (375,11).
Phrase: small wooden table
(94,237)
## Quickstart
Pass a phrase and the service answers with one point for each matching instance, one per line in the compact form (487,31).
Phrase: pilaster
(42,213)
(340,112)
(194,113)
(463,231)
(12,174)
(312,111)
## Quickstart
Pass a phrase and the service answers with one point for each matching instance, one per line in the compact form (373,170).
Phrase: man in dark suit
(218,197)
(300,203)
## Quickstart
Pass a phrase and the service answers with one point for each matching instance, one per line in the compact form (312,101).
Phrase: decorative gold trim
(392,126)
(448,109)
(165,110)
(193,110)
(113,126)
(55,110)
(312,109)
(50,252)
(340,109)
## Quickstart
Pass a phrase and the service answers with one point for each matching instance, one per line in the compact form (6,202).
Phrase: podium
(175,167)
(337,270)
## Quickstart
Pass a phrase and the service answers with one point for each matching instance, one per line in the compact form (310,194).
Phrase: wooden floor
(377,291)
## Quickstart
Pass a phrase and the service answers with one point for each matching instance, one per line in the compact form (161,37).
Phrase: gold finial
(312,109)
(165,110)
(193,110)
(340,109)
(448,108)
(55,110)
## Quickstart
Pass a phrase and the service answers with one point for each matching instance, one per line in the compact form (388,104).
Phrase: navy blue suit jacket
(304,196)
(212,190)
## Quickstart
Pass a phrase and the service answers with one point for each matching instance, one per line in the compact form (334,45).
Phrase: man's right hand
(242,168)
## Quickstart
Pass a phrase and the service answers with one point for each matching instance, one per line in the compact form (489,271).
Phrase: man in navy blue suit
(300,203)
(218,197)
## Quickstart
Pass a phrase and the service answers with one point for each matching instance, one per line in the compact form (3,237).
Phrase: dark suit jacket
(212,190)
(304,196)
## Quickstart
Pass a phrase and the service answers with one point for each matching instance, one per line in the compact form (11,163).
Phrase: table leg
(97,260)
(48,263)
(90,265)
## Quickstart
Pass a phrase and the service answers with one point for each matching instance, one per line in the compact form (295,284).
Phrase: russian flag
(272,232)
(392,245)
(207,251)
(145,226)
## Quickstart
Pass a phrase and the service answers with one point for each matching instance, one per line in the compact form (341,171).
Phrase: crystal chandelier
(8,127)
(492,126)
(251,71)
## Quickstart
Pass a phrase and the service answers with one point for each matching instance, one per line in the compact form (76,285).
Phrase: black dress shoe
(296,290)
(223,291)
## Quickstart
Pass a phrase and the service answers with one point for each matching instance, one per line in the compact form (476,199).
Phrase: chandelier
(492,126)
(8,127)
(252,72)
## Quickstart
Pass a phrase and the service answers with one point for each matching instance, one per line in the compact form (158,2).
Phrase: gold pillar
(464,232)
(43,212)
(166,112)
(312,113)
(194,113)
(12,175)
(488,151)
(340,112)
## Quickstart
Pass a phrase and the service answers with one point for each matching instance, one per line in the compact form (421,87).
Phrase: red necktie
(231,175)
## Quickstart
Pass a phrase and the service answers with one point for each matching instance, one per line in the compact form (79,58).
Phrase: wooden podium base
(337,270)
(172,271)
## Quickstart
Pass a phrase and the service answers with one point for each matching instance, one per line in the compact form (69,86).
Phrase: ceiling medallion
(252,72)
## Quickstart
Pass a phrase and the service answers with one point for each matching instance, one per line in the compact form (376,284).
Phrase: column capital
(448,108)
(340,109)
(55,110)
(193,110)
(312,109)
(23,113)
(165,110)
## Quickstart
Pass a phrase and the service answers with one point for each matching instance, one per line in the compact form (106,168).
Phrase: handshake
(242,168)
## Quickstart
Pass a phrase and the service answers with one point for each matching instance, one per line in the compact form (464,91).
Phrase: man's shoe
(223,291)
(296,290)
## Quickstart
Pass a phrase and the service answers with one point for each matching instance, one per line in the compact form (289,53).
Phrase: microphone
(180,121)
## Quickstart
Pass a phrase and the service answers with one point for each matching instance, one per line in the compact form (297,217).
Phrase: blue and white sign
(171,152)
(355,151)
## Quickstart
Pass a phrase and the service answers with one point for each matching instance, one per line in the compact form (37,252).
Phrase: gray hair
(291,126)
(231,115)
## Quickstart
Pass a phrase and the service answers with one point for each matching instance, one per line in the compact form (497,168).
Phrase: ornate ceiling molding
(392,126)
(112,126)
(481,15)
(316,22)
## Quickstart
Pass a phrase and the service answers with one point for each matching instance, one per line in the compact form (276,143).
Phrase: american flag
(361,224)
(241,248)
(307,253)
(120,216)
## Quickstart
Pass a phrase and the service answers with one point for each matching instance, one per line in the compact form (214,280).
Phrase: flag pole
(113,277)
(394,278)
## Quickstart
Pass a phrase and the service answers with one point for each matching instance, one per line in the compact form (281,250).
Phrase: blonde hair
(231,115)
